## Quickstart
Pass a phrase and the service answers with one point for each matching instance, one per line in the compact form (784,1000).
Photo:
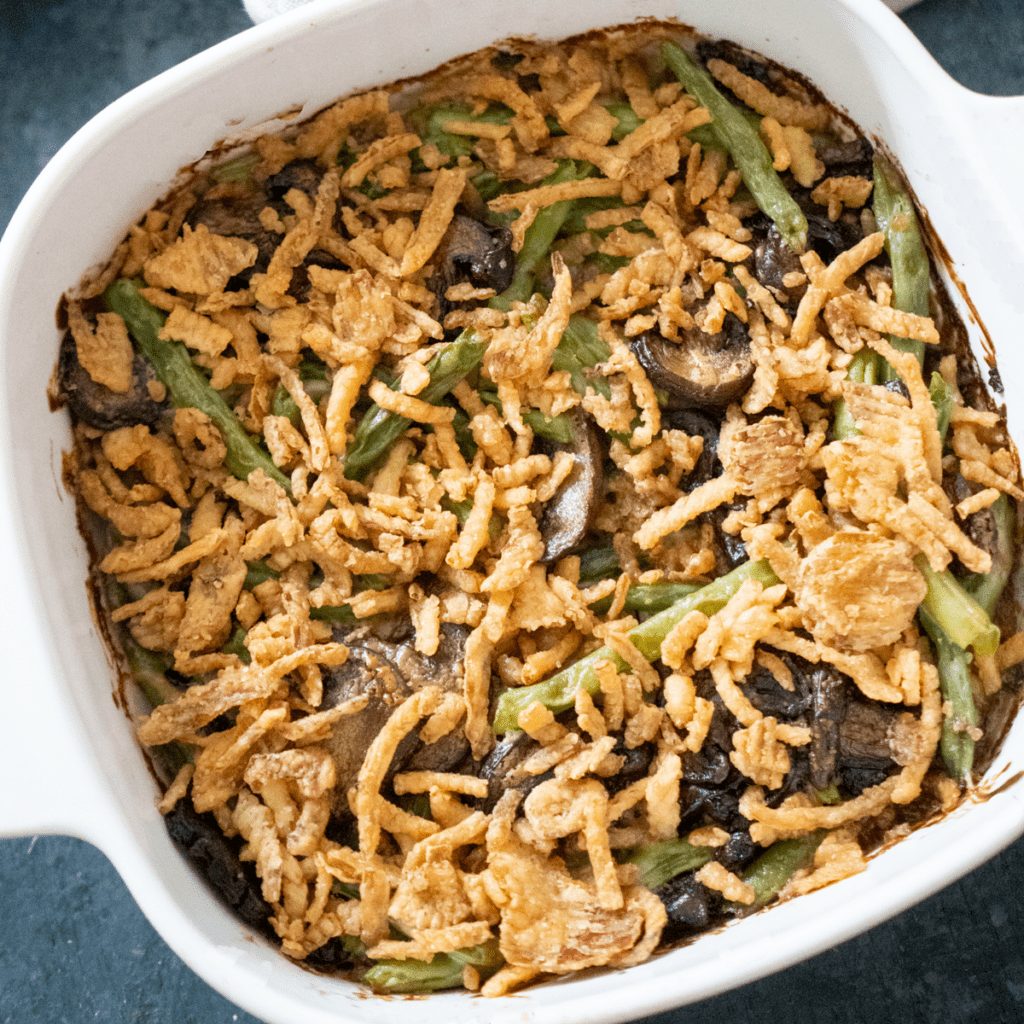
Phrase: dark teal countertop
(74,946)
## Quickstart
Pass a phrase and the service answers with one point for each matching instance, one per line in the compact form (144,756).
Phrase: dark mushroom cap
(474,253)
(732,53)
(690,905)
(388,670)
(500,767)
(237,216)
(305,175)
(705,370)
(216,858)
(774,259)
(567,516)
(95,404)
(979,526)
(853,158)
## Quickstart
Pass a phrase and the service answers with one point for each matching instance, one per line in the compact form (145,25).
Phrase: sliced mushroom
(786,699)
(830,696)
(850,738)
(697,424)
(980,526)
(897,387)
(237,215)
(864,734)
(331,957)
(709,766)
(774,259)
(500,767)
(689,904)
(718,805)
(95,404)
(567,516)
(216,859)
(388,671)
(704,370)
(744,61)
(843,159)
(738,851)
(473,253)
(865,746)
(828,238)
(636,763)
(305,175)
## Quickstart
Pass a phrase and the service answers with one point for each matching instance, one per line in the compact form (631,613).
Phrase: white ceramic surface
(68,759)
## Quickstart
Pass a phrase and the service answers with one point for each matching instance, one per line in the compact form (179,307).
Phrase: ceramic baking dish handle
(50,780)
(995,126)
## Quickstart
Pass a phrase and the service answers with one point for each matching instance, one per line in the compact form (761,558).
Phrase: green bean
(627,117)
(373,581)
(648,598)
(430,125)
(707,138)
(339,613)
(576,222)
(415,803)
(777,865)
(539,236)
(463,435)
(959,615)
(282,404)
(379,429)
(345,890)
(187,387)
(598,564)
(580,349)
(965,620)
(648,636)
(462,510)
(866,367)
(660,862)
(606,263)
(312,367)
(955,743)
(148,670)
(559,692)
(954,621)
(342,613)
(955,616)
(257,573)
(745,147)
(830,795)
(239,168)
(236,645)
(911,283)
(443,971)
(911,272)
(942,398)
(552,428)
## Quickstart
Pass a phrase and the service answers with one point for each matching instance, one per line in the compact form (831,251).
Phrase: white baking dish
(69,761)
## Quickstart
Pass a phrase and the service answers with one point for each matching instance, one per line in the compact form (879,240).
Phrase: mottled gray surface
(74,946)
